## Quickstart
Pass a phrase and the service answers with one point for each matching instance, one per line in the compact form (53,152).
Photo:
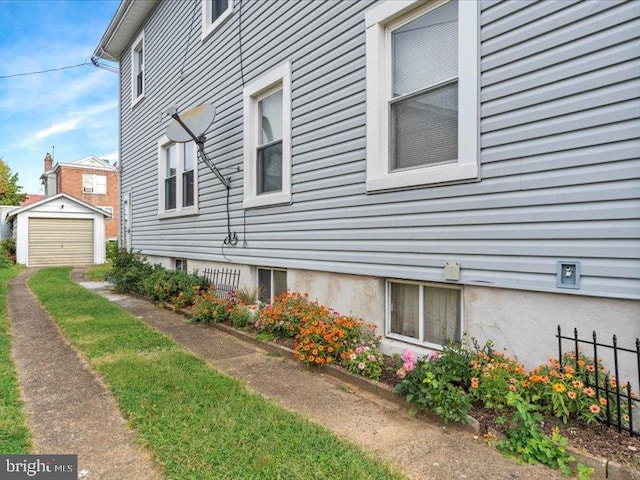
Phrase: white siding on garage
(60,241)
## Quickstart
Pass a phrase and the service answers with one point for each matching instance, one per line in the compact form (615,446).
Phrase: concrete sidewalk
(69,410)
(422,450)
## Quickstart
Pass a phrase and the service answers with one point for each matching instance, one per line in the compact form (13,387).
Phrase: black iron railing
(225,281)
(619,397)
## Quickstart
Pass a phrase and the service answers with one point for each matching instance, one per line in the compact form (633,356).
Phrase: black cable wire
(232,237)
(45,71)
(186,50)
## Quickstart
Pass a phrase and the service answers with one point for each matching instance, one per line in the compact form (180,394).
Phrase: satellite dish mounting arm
(201,153)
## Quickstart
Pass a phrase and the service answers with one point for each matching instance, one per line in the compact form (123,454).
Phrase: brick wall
(70,180)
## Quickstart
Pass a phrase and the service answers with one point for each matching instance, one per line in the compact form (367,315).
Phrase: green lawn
(98,273)
(198,423)
(15,437)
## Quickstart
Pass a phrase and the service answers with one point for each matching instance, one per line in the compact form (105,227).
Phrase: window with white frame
(423,313)
(267,147)
(96,184)
(180,264)
(214,13)
(137,69)
(422,93)
(178,178)
(109,210)
(271,283)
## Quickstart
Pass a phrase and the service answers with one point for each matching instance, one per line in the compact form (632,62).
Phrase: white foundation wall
(526,324)
(359,296)
(522,322)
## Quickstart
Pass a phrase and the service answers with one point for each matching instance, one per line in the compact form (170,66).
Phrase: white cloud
(57,128)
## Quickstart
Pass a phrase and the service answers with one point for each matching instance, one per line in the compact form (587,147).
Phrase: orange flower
(590,368)
(595,409)
(577,384)
(571,395)
(512,388)
(590,392)
(475,382)
(568,369)
(603,401)
(544,379)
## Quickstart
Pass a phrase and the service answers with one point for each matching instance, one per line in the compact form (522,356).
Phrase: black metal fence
(619,396)
(225,281)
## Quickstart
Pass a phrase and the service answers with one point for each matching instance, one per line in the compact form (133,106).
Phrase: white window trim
(412,340)
(93,191)
(252,93)
(135,98)
(108,209)
(378,80)
(179,210)
(209,28)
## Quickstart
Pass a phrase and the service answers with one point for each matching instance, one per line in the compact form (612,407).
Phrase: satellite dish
(191,124)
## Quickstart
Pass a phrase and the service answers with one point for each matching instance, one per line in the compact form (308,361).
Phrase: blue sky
(75,110)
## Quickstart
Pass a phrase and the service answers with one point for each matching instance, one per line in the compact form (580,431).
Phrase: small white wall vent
(452,271)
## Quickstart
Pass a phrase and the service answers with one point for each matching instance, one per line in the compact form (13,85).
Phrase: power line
(45,71)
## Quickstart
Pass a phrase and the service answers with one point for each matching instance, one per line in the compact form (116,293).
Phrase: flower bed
(450,383)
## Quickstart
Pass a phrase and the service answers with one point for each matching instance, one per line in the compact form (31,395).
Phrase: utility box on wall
(568,274)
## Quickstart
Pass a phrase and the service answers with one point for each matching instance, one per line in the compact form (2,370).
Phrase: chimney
(48,162)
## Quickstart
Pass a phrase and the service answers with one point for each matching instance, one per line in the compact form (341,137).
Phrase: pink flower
(359,350)
(352,356)
(372,358)
(361,366)
(435,356)
(409,358)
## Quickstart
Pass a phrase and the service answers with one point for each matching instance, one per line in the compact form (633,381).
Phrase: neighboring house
(58,230)
(435,167)
(91,179)
(31,198)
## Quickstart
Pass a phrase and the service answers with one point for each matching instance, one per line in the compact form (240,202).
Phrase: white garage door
(60,241)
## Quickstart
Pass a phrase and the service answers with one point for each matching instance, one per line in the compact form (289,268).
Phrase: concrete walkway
(69,410)
(422,450)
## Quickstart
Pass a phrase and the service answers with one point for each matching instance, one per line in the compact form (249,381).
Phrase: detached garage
(59,230)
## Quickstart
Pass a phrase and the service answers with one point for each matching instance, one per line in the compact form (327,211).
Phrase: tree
(9,188)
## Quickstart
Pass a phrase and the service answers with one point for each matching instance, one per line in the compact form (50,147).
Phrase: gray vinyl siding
(560,173)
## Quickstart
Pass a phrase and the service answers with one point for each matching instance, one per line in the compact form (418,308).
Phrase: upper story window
(267,148)
(94,183)
(422,93)
(137,69)
(214,13)
(178,178)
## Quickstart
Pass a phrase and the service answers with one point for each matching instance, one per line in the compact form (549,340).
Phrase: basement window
(271,283)
(423,313)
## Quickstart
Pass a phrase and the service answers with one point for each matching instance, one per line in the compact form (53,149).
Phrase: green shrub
(8,252)
(438,383)
(525,439)
(207,307)
(128,270)
(111,249)
(163,285)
